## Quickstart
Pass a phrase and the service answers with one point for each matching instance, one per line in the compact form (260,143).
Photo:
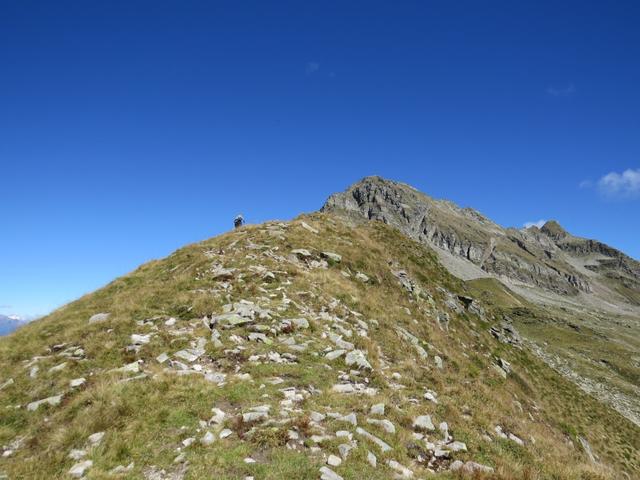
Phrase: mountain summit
(328,347)
(536,262)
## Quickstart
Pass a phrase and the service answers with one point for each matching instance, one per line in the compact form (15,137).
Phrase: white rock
(99,317)
(431,396)
(226,433)
(401,469)
(343,388)
(79,469)
(163,357)
(317,416)
(384,447)
(300,322)
(308,227)
(171,322)
(188,355)
(516,439)
(249,460)
(334,461)
(251,417)
(357,358)
(457,446)
(334,354)
(218,416)
(95,438)
(351,418)
(207,439)
(77,382)
(334,257)
(386,425)
(327,474)
(423,422)
(77,454)
(362,277)
(345,448)
(371,458)
(53,401)
(377,409)
(121,469)
(137,339)
(187,442)
(133,367)
(7,383)
(438,361)
(58,368)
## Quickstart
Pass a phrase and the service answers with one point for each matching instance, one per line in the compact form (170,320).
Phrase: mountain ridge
(326,347)
(549,257)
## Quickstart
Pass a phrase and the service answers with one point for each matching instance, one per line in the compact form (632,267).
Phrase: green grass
(146,420)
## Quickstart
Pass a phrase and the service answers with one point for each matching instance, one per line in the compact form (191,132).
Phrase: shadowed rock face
(548,258)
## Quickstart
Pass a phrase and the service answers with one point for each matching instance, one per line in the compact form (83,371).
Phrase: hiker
(238,221)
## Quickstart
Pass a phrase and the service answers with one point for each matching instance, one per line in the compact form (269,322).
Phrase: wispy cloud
(312,67)
(538,224)
(561,91)
(620,185)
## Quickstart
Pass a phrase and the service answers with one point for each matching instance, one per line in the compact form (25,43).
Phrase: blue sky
(128,129)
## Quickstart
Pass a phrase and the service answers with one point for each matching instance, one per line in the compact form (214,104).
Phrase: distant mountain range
(8,323)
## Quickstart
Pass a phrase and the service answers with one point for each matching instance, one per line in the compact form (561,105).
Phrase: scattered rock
(362,277)
(99,317)
(77,382)
(208,439)
(401,469)
(334,461)
(95,439)
(334,257)
(384,447)
(357,358)
(377,409)
(137,339)
(386,425)
(53,401)
(327,474)
(424,423)
(79,469)
(334,354)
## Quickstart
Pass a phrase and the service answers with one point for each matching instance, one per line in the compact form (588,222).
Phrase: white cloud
(538,224)
(561,92)
(312,67)
(621,185)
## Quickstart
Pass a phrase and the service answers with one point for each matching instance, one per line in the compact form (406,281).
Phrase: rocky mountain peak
(473,246)
(554,230)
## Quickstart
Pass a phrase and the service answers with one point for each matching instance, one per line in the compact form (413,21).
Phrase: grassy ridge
(146,420)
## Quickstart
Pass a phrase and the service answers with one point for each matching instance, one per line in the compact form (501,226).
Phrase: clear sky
(128,129)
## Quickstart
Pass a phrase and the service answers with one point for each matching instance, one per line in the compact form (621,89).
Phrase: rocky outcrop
(548,258)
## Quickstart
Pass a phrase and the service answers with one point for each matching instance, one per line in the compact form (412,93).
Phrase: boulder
(80,468)
(99,317)
(424,423)
(327,474)
(358,359)
(53,401)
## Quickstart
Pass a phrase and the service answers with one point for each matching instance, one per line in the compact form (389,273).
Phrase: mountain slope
(473,246)
(272,349)
(578,298)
